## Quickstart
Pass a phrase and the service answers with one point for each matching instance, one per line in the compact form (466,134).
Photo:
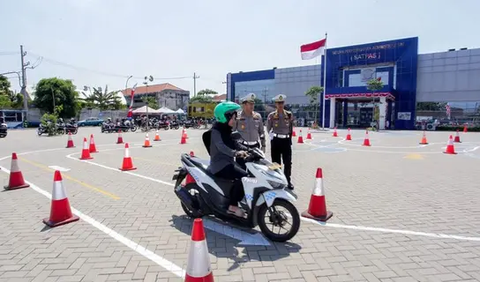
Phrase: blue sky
(174,39)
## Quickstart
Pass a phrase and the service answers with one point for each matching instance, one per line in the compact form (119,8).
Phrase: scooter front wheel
(276,224)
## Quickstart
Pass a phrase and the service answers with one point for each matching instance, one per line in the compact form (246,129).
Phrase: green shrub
(457,127)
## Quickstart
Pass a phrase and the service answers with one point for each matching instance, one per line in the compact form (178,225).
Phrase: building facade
(413,85)
(166,95)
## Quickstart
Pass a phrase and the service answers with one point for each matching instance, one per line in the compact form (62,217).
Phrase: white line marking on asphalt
(118,170)
(398,231)
(59,168)
(245,238)
(168,265)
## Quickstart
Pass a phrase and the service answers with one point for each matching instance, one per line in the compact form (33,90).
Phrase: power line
(4,53)
(58,63)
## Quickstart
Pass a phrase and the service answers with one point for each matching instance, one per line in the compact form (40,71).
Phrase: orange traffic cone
(309,135)
(70,141)
(465,129)
(85,151)
(450,148)
(127,160)
(60,212)
(335,134)
(189,178)
(184,132)
(183,139)
(457,138)
(93,148)
(349,136)
(317,209)
(294,134)
(16,180)
(366,141)
(198,266)
(119,138)
(157,137)
(424,139)
(300,138)
(147,144)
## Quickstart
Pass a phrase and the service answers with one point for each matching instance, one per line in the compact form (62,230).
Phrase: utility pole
(195,84)
(24,79)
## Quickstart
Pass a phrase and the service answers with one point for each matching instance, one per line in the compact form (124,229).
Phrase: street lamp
(126,84)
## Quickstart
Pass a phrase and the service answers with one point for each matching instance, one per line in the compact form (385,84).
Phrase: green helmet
(224,111)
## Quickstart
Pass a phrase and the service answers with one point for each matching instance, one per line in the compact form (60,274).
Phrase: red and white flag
(313,50)
(132,94)
(448,110)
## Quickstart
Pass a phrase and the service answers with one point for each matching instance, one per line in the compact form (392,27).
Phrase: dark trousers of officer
(281,149)
(240,161)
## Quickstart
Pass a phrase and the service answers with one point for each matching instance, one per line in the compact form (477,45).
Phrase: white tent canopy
(165,110)
(143,110)
(179,111)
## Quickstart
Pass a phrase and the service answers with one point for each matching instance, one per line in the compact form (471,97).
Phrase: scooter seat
(224,183)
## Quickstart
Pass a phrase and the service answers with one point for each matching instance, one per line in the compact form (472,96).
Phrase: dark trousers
(281,149)
(241,161)
(236,173)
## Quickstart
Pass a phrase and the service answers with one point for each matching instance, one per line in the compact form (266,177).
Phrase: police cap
(250,98)
(280,98)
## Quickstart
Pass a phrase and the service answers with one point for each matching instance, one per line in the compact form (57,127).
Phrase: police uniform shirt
(250,127)
(279,123)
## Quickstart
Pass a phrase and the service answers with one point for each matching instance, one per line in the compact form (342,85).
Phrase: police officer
(250,125)
(279,126)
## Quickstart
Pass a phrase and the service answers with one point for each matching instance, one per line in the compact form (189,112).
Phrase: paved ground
(402,212)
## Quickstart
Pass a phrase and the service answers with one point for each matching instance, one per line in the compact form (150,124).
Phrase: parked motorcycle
(174,125)
(107,127)
(191,124)
(58,128)
(266,194)
(162,124)
(3,130)
(71,127)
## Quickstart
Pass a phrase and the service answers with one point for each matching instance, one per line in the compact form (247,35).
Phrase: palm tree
(103,100)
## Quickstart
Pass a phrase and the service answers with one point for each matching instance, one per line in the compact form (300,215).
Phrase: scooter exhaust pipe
(185,197)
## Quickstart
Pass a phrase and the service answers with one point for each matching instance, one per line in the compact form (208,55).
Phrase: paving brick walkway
(395,184)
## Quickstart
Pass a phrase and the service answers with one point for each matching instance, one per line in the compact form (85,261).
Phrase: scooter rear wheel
(271,217)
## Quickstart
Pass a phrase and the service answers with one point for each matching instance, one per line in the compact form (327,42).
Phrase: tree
(103,100)
(5,102)
(4,85)
(375,85)
(207,92)
(259,105)
(431,106)
(204,96)
(313,94)
(51,92)
(151,102)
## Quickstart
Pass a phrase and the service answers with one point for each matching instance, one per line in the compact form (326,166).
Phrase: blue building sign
(393,62)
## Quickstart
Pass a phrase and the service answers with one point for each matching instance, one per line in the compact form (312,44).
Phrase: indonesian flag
(132,94)
(313,50)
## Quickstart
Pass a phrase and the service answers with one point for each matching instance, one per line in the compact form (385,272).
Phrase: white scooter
(267,202)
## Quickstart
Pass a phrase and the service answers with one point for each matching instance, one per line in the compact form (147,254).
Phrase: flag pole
(324,81)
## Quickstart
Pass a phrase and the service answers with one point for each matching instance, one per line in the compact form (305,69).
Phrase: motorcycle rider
(222,153)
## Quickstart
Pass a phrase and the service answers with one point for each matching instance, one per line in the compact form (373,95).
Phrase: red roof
(152,89)
(220,97)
